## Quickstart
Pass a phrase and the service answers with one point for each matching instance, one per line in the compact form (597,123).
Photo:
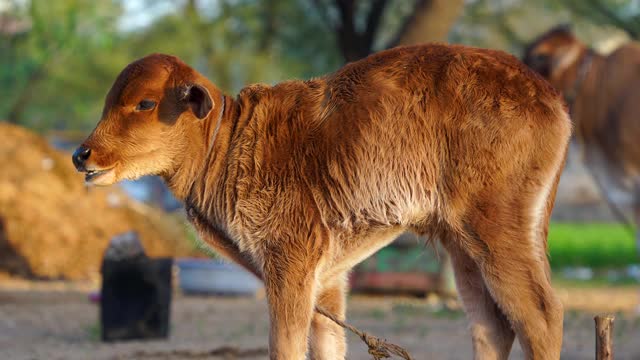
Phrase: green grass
(594,245)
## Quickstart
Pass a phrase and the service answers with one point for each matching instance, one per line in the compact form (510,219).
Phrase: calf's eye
(146,105)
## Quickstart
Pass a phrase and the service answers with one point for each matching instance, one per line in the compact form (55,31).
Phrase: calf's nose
(80,157)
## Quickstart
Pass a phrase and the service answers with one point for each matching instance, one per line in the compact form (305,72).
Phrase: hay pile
(52,226)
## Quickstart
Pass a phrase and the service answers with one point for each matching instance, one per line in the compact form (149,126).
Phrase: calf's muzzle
(80,157)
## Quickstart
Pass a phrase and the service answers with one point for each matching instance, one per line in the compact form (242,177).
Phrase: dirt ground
(56,321)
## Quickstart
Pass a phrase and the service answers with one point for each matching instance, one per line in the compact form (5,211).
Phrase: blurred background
(59,58)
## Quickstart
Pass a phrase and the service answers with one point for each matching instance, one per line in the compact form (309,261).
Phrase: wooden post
(604,337)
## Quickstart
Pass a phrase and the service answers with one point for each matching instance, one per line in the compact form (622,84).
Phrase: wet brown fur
(307,178)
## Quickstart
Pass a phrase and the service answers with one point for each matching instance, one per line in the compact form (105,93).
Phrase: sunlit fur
(308,178)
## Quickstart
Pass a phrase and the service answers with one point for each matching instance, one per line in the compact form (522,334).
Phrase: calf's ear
(199,100)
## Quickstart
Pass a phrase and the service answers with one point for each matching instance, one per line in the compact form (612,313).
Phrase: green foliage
(56,72)
(50,55)
(622,14)
(593,245)
(56,68)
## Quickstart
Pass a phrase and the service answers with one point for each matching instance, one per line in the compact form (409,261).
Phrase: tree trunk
(355,44)
(430,21)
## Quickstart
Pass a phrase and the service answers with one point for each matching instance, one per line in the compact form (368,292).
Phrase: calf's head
(152,116)
(554,55)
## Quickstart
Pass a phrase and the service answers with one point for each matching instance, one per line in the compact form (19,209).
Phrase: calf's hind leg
(491,332)
(509,249)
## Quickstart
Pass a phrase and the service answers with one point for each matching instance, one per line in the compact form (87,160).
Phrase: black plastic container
(135,298)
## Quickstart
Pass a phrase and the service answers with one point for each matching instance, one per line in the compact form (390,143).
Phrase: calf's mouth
(98,176)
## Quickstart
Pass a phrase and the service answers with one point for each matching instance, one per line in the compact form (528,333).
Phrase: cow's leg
(508,243)
(490,330)
(520,287)
(327,338)
(290,298)
(290,276)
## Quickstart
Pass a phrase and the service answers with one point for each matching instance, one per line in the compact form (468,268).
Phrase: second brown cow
(603,91)
(300,181)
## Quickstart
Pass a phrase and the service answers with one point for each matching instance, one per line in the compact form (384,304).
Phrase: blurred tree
(54,35)
(430,20)
(365,27)
(243,41)
(624,15)
(510,24)
(56,70)
(58,58)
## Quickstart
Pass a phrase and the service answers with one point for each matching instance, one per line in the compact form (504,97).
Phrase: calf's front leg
(290,283)
(328,338)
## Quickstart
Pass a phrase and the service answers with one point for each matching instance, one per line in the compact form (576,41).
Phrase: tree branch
(346,8)
(373,21)
(350,42)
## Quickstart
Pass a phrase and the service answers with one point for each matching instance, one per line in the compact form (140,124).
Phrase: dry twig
(378,348)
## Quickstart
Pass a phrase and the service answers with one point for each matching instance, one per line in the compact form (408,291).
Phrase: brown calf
(603,92)
(301,181)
